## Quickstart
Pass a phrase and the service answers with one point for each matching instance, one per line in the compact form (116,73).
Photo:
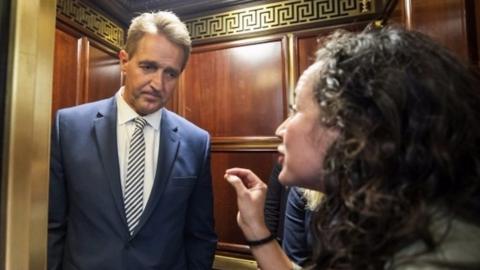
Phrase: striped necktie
(133,196)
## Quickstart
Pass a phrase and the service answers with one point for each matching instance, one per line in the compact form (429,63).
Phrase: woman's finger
(236,182)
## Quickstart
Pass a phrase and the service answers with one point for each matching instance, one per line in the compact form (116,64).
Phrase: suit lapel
(169,143)
(105,128)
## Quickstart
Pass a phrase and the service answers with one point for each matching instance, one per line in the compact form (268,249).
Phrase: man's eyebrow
(148,62)
(155,64)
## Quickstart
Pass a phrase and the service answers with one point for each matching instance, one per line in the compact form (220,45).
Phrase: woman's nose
(281,128)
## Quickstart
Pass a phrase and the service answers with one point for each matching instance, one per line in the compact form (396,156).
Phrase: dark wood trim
(65,26)
(286,58)
(234,248)
(84,42)
(355,26)
(472,31)
(245,144)
(82,82)
(238,43)
(100,45)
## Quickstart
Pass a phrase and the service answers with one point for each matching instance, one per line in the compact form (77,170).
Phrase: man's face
(151,73)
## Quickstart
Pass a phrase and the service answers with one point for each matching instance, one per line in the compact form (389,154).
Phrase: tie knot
(140,123)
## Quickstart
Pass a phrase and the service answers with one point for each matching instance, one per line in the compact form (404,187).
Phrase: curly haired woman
(387,125)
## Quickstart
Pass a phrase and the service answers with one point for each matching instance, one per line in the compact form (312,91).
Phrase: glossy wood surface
(308,42)
(235,90)
(307,46)
(84,70)
(104,78)
(443,20)
(65,71)
(224,195)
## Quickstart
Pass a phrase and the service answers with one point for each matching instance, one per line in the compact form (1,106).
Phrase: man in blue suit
(130,181)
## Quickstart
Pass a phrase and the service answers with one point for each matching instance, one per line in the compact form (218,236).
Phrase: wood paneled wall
(452,23)
(236,89)
(65,70)
(239,91)
(103,73)
(84,69)
(230,236)
(306,43)
(443,20)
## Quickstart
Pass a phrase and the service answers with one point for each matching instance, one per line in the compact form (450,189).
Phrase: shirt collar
(125,113)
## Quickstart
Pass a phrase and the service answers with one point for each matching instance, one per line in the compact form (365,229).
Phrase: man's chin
(145,110)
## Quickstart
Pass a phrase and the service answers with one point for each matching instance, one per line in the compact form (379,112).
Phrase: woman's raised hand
(251,192)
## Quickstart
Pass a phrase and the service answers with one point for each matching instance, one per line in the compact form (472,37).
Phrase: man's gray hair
(162,22)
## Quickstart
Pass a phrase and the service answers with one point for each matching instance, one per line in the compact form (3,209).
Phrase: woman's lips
(280,159)
(281,155)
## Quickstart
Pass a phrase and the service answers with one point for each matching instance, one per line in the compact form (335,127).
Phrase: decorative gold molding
(276,15)
(92,21)
(365,5)
(232,263)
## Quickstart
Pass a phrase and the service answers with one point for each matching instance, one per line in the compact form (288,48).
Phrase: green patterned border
(89,19)
(277,15)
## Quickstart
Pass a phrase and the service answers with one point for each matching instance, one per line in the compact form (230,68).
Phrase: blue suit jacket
(87,224)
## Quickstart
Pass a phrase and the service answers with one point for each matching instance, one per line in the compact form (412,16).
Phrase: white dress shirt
(125,129)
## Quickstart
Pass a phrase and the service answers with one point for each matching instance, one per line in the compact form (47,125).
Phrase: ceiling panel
(125,10)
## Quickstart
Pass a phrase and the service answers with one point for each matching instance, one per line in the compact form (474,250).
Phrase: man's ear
(123,56)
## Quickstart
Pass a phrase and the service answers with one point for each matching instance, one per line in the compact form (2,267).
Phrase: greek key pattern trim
(87,18)
(276,15)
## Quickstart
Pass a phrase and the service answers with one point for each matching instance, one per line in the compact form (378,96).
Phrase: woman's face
(305,140)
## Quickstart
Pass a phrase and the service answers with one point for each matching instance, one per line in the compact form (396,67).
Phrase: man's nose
(157,80)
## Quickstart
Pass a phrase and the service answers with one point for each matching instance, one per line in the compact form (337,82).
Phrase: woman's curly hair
(409,119)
